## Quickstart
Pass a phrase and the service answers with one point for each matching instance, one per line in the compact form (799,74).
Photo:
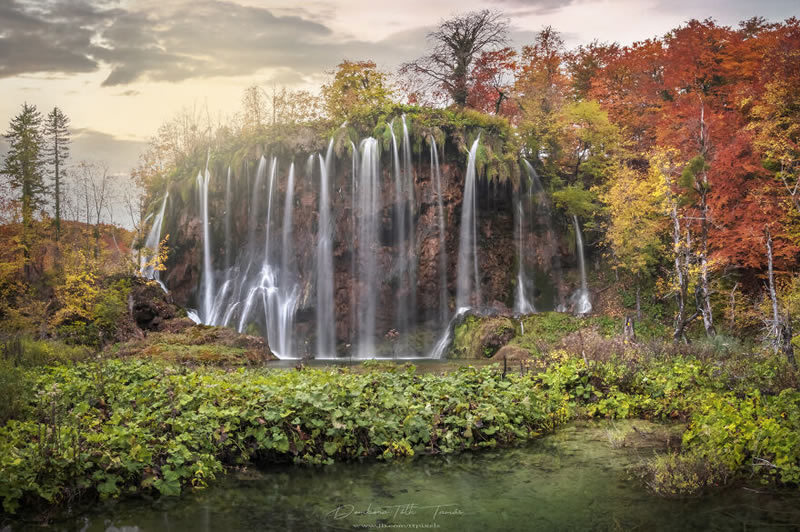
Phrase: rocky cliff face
(238,210)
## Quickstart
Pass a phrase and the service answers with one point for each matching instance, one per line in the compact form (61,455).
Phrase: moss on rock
(199,344)
(511,352)
(481,337)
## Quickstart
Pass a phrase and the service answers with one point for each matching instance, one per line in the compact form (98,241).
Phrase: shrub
(675,475)
(110,308)
(15,392)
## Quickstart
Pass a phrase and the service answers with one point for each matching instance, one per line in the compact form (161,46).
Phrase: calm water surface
(574,479)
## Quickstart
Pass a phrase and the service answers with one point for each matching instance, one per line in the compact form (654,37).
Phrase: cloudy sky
(119,68)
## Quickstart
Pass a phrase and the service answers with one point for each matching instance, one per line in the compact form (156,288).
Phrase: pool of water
(575,479)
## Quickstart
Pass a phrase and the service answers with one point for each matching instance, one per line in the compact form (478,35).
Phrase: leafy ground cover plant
(115,427)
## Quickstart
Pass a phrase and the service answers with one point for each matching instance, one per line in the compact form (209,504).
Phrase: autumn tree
(540,93)
(590,142)
(294,107)
(584,63)
(493,80)
(774,113)
(631,89)
(24,168)
(637,205)
(254,108)
(56,130)
(454,47)
(356,86)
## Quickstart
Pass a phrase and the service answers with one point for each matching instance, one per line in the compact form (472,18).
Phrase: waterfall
(288,213)
(255,201)
(404,237)
(539,212)
(326,338)
(243,281)
(467,281)
(523,301)
(522,304)
(437,179)
(207,279)
(228,214)
(353,241)
(583,303)
(273,168)
(368,208)
(291,239)
(467,284)
(282,299)
(265,278)
(410,247)
(151,245)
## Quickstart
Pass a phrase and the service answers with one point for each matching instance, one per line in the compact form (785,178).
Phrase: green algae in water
(575,479)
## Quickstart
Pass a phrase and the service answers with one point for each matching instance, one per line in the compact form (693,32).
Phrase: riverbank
(115,428)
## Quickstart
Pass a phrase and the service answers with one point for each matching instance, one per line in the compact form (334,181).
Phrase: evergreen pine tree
(23,167)
(56,130)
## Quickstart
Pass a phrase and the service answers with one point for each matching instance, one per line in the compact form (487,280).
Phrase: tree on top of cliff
(455,45)
(356,86)
(494,76)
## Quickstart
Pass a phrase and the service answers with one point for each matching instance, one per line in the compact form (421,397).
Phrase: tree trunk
(732,306)
(705,310)
(775,325)
(786,341)
(638,300)
(628,330)
(680,275)
(57,189)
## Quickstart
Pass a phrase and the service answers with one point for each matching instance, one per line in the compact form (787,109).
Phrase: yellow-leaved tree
(357,86)
(77,295)
(638,221)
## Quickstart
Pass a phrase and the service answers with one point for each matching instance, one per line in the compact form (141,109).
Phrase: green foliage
(79,332)
(127,426)
(481,337)
(89,313)
(15,391)
(111,307)
(576,200)
(757,433)
(588,132)
(693,169)
(677,475)
(24,162)
(356,86)
(18,353)
(121,426)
